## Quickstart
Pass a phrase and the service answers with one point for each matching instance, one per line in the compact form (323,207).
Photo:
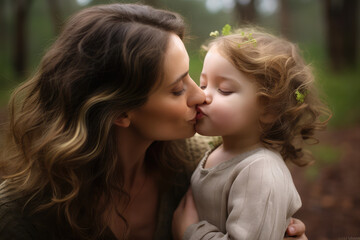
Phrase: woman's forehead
(176,61)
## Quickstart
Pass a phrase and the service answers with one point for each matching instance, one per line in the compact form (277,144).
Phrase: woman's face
(169,112)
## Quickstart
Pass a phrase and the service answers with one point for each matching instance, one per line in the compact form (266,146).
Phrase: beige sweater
(251,196)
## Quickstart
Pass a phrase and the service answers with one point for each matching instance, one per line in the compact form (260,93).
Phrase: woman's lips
(199,113)
(193,121)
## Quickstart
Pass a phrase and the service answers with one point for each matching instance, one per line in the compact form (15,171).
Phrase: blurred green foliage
(325,156)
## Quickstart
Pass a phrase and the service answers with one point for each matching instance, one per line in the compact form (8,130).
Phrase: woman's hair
(61,149)
(285,89)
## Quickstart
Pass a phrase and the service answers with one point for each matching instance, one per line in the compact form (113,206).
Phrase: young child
(261,100)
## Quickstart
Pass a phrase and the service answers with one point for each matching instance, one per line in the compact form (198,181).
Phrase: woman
(91,151)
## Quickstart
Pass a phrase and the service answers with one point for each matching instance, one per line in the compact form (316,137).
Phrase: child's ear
(122,120)
(267,118)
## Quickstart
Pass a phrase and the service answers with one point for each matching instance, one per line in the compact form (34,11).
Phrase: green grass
(324,155)
(342,94)
(340,90)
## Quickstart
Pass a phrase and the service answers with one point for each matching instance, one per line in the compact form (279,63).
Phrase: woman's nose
(196,95)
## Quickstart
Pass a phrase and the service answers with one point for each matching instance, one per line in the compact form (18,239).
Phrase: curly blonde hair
(280,73)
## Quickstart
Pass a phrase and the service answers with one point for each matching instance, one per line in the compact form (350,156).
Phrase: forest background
(327,31)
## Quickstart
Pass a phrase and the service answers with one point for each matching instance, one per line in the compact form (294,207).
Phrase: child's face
(231,107)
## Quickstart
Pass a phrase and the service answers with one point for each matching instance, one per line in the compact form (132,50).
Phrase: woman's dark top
(15,224)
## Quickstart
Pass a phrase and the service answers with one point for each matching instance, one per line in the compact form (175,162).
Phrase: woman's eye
(179,93)
(202,87)
(223,92)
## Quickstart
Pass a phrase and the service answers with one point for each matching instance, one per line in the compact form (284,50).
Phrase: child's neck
(237,145)
(231,147)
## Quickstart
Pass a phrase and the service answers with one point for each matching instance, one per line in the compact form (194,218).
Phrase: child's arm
(261,200)
(187,210)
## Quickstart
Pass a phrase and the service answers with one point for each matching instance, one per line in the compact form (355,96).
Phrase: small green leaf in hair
(226,30)
(214,34)
(300,97)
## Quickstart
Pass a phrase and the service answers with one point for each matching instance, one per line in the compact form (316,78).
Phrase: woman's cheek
(177,109)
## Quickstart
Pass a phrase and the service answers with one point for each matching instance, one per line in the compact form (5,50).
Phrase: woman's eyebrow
(179,78)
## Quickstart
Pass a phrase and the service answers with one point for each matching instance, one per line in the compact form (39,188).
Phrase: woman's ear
(122,120)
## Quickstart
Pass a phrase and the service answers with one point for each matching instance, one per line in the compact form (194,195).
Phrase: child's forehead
(216,50)
(219,69)
(218,58)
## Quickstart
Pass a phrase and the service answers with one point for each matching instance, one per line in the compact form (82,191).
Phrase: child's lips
(199,113)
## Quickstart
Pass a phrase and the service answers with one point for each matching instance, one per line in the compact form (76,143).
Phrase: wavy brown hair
(60,154)
(278,69)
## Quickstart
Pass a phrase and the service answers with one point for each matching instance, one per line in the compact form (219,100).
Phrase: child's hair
(285,89)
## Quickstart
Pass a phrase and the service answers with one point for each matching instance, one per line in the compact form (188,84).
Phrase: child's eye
(223,92)
(202,87)
(178,93)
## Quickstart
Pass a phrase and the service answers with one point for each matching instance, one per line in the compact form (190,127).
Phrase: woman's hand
(296,230)
(185,215)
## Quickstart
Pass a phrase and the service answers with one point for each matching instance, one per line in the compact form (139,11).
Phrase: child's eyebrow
(221,77)
(226,78)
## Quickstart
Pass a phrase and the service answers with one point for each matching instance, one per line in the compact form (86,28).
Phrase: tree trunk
(284,18)
(341,23)
(3,26)
(22,8)
(350,30)
(55,14)
(245,13)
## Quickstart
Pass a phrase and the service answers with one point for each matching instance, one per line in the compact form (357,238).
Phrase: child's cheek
(223,116)
(233,115)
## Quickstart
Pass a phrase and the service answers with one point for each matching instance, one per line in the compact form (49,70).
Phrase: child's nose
(208,97)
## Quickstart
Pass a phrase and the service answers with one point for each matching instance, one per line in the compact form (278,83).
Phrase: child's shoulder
(268,163)
(266,156)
